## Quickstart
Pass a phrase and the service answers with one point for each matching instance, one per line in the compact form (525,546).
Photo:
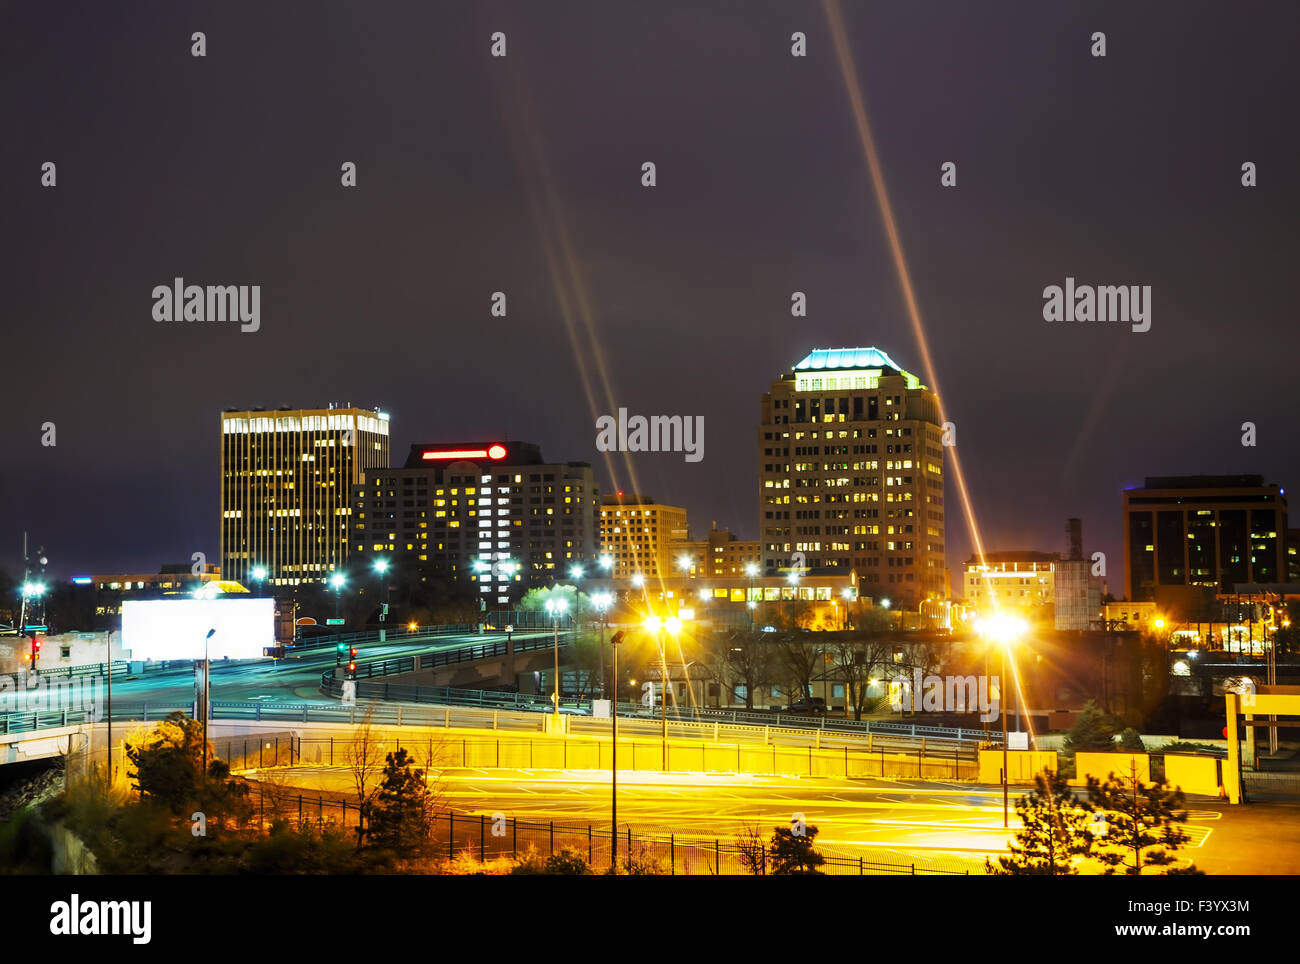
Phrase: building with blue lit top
(851,473)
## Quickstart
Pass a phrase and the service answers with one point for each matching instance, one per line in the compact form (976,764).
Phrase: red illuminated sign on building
(494,452)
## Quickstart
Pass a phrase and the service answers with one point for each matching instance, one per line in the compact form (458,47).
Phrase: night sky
(226,170)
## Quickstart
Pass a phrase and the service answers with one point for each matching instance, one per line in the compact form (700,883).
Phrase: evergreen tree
(793,853)
(1094,730)
(1142,823)
(399,818)
(1055,830)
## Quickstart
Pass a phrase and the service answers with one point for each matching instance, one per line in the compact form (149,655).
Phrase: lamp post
(751,570)
(794,597)
(1004,631)
(108,715)
(601,601)
(207,698)
(556,607)
(659,626)
(613,771)
(381,567)
(259,576)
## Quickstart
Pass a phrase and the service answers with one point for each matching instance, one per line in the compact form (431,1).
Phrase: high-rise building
(492,513)
(286,488)
(1207,531)
(637,533)
(851,474)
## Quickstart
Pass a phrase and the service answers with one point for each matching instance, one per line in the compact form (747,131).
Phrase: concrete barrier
(1194,773)
(1022,765)
(1100,765)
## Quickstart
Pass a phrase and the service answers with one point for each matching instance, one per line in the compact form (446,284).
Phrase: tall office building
(637,533)
(492,513)
(286,488)
(1207,531)
(851,474)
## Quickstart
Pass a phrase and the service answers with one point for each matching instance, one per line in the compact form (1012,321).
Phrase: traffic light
(339,650)
(352,663)
(36,648)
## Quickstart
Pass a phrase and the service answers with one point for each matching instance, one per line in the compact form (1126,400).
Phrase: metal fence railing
(488,837)
(417,693)
(519,750)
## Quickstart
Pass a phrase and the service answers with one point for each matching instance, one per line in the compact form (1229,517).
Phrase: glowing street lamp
(751,570)
(575,572)
(684,563)
(658,626)
(602,601)
(381,567)
(556,607)
(259,576)
(1003,631)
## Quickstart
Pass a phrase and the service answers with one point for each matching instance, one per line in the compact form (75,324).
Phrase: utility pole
(109,661)
(613,775)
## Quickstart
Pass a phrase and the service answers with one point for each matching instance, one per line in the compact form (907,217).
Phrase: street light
(259,576)
(751,570)
(557,607)
(1004,631)
(684,563)
(613,771)
(602,601)
(381,567)
(207,697)
(658,626)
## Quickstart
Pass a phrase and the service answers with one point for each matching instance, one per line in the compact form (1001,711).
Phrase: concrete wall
(1100,765)
(1022,765)
(1193,773)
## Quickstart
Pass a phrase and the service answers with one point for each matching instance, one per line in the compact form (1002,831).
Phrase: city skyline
(527,180)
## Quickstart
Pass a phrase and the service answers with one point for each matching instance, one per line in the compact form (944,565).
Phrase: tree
(399,816)
(752,849)
(168,762)
(856,663)
(742,659)
(1094,730)
(1055,830)
(168,769)
(1143,823)
(793,854)
(798,661)
(535,600)
(362,757)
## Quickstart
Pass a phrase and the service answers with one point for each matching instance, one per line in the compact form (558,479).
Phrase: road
(295,679)
(946,825)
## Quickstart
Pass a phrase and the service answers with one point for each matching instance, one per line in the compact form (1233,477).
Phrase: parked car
(814,705)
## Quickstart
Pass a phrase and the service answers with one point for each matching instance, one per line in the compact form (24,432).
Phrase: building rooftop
(1015,555)
(820,358)
(1204,481)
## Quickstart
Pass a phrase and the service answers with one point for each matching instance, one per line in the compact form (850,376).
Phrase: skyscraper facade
(494,514)
(851,474)
(286,488)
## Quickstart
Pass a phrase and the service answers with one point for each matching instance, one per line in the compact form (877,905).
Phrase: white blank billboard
(175,628)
